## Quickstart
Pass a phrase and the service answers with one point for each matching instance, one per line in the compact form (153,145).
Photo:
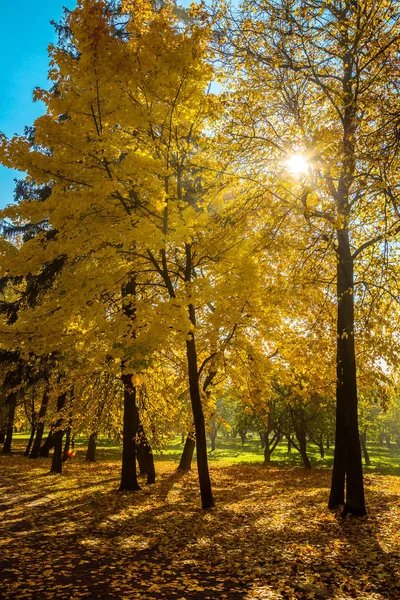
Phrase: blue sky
(25,33)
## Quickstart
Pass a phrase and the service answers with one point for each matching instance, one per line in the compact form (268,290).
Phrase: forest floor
(270,536)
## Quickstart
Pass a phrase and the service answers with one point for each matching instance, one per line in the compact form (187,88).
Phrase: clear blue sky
(25,33)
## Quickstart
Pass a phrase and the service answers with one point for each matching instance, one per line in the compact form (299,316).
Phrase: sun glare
(297,164)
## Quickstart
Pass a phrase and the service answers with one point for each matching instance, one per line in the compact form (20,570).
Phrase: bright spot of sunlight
(297,164)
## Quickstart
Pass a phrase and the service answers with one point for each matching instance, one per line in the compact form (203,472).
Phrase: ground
(270,536)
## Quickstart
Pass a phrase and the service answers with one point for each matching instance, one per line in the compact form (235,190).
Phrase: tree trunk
(56,464)
(145,456)
(303,452)
(328,443)
(262,439)
(387,441)
(267,451)
(187,454)
(67,444)
(2,437)
(12,402)
(91,449)
(40,426)
(207,500)
(28,448)
(347,465)
(129,480)
(289,444)
(299,426)
(242,436)
(141,459)
(363,442)
(47,446)
(321,450)
(213,434)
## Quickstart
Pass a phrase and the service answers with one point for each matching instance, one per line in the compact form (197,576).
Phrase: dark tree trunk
(145,456)
(267,452)
(270,445)
(363,442)
(187,454)
(56,464)
(91,449)
(319,442)
(141,459)
(299,425)
(262,439)
(303,451)
(47,446)
(12,402)
(242,435)
(289,445)
(321,450)
(28,448)
(207,500)
(328,443)
(40,426)
(347,465)
(67,444)
(182,438)
(129,480)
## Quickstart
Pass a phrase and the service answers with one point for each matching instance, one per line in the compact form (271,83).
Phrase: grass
(230,451)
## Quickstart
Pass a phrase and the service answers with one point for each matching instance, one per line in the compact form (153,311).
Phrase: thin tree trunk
(56,464)
(187,454)
(363,442)
(12,402)
(67,444)
(129,480)
(145,456)
(40,426)
(28,448)
(321,450)
(91,449)
(213,436)
(207,500)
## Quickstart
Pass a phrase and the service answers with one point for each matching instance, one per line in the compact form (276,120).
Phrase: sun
(297,164)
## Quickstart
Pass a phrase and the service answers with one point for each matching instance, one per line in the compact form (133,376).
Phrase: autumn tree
(315,113)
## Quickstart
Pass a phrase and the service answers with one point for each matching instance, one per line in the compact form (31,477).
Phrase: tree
(316,79)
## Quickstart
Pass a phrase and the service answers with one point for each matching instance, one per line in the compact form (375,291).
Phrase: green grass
(230,451)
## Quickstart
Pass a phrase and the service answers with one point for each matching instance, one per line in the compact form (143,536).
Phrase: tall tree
(316,107)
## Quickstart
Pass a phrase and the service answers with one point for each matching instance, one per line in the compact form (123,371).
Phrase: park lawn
(230,451)
(270,536)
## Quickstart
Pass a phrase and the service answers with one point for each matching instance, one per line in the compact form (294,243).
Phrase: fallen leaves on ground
(270,536)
